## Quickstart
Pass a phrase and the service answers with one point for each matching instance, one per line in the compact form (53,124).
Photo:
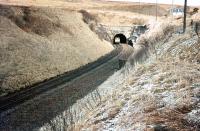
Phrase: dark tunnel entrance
(119,38)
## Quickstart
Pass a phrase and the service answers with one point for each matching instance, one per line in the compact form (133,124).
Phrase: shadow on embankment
(53,109)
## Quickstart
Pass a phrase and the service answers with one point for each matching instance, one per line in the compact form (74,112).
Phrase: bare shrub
(194,11)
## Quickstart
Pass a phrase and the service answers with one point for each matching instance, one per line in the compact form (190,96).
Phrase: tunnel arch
(119,38)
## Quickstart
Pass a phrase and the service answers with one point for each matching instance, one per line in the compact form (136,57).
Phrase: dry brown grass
(145,9)
(168,75)
(182,75)
(120,18)
(161,92)
(177,74)
(38,43)
(146,44)
(196,17)
(158,93)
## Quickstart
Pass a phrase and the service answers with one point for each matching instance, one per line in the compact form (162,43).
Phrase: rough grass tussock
(159,32)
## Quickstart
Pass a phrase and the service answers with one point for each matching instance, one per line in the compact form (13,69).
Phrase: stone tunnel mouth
(119,39)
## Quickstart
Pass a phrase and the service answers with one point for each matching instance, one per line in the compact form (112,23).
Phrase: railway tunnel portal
(119,39)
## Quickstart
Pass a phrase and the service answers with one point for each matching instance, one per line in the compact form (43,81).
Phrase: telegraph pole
(185,15)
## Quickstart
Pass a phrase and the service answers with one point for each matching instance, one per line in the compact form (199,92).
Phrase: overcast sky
(180,2)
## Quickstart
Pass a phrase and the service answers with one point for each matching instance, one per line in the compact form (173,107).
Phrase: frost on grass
(160,94)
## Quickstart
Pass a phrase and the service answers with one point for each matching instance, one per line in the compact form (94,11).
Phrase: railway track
(12,100)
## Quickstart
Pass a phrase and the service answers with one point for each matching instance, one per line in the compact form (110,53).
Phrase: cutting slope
(40,43)
(159,94)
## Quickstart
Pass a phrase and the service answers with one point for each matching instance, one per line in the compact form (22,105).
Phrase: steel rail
(17,98)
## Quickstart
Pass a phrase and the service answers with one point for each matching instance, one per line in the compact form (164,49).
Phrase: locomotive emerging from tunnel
(137,31)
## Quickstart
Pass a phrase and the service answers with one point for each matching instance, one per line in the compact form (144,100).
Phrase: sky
(180,2)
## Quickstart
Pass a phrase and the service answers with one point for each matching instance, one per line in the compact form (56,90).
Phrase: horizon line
(151,2)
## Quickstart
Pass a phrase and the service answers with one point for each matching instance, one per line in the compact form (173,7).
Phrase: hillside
(157,91)
(31,31)
(39,43)
(146,9)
